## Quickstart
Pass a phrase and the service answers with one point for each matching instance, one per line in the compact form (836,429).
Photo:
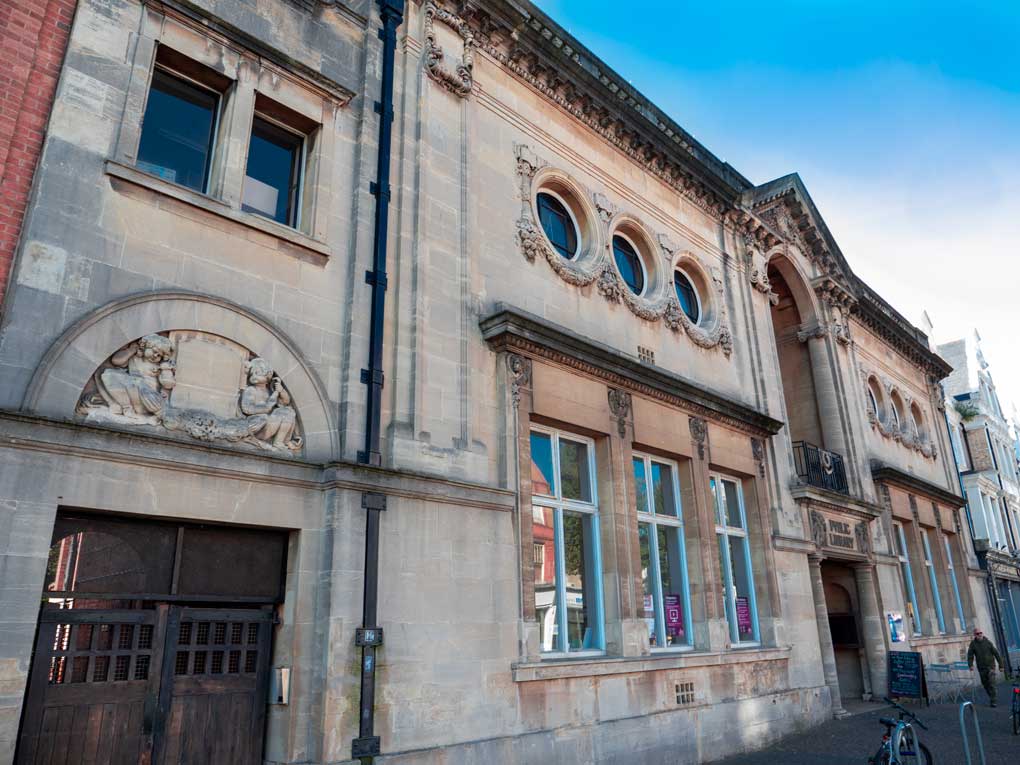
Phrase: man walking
(983,650)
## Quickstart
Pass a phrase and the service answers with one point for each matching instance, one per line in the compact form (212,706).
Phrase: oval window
(687,295)
(558,224)
(629,264)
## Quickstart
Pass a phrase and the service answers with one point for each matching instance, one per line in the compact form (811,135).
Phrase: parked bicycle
(1014,707)
(900,745)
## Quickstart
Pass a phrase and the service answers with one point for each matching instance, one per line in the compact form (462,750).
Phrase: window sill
(946,637)
(559,669)
(291,238)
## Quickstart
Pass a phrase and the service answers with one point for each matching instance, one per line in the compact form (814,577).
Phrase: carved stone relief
(819,534)
(904,433)
(460,79)
(699,432)
(620,405)
(194,383)
(520,376)
(758,453)
(601,270)
(863,534)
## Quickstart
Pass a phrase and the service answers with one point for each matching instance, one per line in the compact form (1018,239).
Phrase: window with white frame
(933,580)
(565,521)
(956,437)
(908,576)
(956,585)
(667,603)
(735,559)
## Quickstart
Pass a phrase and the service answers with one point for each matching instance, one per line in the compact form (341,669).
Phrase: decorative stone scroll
(699,432)
(600,270)
(620,405)
(195,383)
(903,433)
(460,79)
(520,376)
(758,453)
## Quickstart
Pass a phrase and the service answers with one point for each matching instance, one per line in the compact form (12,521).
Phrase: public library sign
(837,533)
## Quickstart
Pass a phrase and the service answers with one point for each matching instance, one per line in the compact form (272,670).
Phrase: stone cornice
(875,313)
(534,48)
(511,329)
(896,477)
(814,496)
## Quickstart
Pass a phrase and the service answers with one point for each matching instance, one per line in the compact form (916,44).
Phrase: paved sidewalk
(853,740)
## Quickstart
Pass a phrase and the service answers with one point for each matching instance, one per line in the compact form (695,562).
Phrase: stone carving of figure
(266,398)
(140,380)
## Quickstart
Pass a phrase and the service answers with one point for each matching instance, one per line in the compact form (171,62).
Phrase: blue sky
(903,119)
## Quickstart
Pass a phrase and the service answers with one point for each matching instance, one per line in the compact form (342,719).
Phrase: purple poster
(674,616)
(743,616)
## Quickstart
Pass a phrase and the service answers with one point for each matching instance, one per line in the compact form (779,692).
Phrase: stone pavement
(853,740)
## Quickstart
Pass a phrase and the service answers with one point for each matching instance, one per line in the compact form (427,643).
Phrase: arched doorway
(789,315)
(841,602)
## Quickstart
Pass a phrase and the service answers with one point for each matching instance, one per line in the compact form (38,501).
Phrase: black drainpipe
(369,636)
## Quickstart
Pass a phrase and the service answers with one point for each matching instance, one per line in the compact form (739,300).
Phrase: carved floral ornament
(594,264)
(197,384)
(906,433)
(460,79)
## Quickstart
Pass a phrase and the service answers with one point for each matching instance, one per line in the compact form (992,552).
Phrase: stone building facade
(652,458)
(984,444)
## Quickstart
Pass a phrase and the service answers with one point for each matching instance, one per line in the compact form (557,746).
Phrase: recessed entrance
(844,626)
(154,643)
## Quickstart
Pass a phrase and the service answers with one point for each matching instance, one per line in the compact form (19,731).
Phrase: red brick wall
(33,37)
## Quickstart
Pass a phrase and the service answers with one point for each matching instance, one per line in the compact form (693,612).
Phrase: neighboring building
(33,36)
(649,458)
(986,453)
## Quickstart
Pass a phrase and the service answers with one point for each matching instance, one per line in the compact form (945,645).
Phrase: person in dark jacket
(983,651)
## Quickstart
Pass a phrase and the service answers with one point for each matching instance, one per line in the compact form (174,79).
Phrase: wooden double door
(159,686)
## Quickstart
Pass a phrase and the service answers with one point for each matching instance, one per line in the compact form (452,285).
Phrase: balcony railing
(818,467)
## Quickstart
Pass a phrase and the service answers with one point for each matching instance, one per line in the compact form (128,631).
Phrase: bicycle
(900,745)
(1014,708)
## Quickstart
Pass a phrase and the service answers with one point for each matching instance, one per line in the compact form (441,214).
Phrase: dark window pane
(558,226)
(177,131)
(273,175)
(687,296)
(574,471)
(641,486)
(629,263)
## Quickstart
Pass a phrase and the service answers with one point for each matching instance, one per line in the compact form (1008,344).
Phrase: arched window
(558,224)
(917,420)
(896,413)
(629,263)
(690,302)
(875,399)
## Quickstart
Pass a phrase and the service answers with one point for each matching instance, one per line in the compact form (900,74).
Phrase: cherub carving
(258,400)
(140,380)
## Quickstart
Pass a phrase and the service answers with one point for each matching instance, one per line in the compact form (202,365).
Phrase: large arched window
(558,223)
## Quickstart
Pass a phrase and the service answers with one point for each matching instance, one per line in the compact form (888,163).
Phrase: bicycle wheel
(1016,719)
(909,757)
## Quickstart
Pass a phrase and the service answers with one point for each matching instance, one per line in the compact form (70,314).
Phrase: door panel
(167,685)
(214,686)
(93,675)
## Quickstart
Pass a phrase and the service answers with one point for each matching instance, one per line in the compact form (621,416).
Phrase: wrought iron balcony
(818,467)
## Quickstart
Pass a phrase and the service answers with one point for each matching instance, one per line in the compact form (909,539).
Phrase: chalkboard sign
(906,675)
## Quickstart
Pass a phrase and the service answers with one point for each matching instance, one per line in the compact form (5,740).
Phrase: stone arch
(68,365)
(798,283)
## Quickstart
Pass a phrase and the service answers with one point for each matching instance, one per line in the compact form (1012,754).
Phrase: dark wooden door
(169,685)
(93,686)
(212,700)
